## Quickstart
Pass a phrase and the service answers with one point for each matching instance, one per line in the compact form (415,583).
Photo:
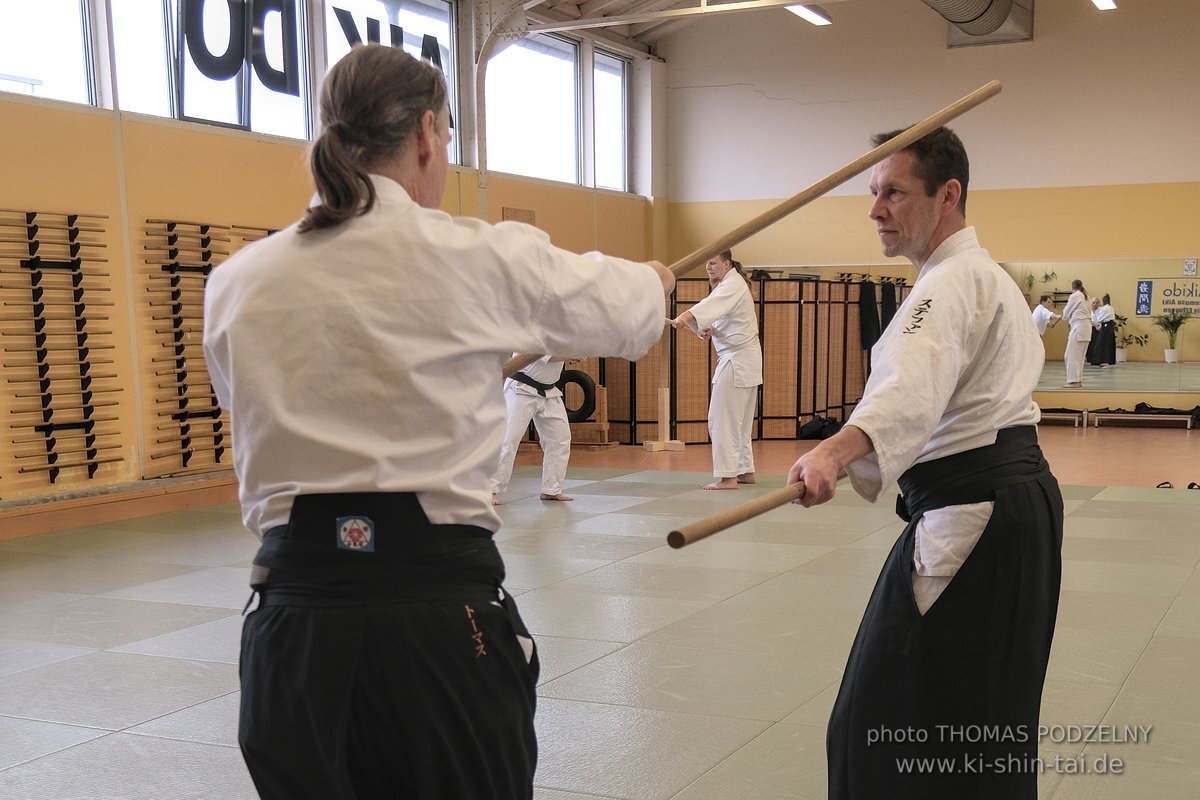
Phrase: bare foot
(1073,386)
(559,496)
(747,477)
(724,483)
(496,499)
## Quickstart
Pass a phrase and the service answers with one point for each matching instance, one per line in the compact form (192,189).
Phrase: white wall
(761,104)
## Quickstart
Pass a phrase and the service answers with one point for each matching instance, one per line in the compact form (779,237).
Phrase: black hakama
(382,663)
(946,705)
(1102,349)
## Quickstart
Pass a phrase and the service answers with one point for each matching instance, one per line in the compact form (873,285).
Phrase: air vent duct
(976,17)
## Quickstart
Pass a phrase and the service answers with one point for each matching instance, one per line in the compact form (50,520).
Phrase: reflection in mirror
(1128,377)
(1140,290)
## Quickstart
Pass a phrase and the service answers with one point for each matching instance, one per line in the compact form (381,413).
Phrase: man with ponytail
(359,353)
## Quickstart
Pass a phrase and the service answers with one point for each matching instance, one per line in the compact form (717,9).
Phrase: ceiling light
(1105,5)
(814,14)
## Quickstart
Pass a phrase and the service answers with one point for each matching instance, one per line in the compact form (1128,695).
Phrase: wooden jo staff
(821,187)
(702,528)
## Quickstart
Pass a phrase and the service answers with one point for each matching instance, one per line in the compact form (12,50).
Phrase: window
(141,48)
(45,49)
(240,64)
(189,59)
(610,120)
(350,22)
(532,107)
(422,27)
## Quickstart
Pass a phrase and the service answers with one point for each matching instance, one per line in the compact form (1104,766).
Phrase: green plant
(1029,280)
(1049,276)
(1127,340)
(1170,323)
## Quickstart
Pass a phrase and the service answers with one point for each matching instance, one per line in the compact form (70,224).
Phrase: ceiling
(637,24)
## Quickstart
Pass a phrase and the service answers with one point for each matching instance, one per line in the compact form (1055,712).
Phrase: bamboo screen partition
(813,363)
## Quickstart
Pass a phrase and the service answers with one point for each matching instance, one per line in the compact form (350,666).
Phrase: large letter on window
(225,66)
(432,51)
(287,80)
(353,37)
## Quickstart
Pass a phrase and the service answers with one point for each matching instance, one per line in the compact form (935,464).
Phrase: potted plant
(1029,280)
(1127,340)
(1170,322)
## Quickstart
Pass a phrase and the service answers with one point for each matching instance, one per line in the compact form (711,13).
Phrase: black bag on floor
(819,428)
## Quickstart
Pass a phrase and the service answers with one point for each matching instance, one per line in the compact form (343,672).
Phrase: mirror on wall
(1140,290)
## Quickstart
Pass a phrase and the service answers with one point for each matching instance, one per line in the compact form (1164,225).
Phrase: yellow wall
(68,158)
(61,157)
(1077,223)
(1110,235)
(576,218)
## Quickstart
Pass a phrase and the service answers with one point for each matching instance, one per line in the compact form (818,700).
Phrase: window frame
(102,88)
(626,116)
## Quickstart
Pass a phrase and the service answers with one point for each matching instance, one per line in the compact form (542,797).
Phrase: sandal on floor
(1194,485)
(1167,485)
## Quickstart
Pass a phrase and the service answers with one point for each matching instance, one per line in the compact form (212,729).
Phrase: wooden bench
(1076,418)
(1134,417)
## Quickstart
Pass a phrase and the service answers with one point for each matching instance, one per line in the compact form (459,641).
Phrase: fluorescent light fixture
(1105,5)
(814,14)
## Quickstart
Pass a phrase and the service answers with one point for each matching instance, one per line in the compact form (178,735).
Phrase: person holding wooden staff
(950,658)
(727,315)
(358,353)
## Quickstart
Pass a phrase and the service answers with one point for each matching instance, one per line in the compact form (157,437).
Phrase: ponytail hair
(1077,285)
(372,102)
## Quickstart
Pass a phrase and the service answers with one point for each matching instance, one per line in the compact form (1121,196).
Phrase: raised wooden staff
(700,529)
(821,187)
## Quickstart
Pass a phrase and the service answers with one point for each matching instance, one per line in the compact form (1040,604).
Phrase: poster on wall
(1159,295)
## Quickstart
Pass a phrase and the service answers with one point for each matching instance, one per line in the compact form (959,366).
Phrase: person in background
(531,394)
(1079,318)
(1043,314)
(1094,304)
(957,632)
(727,316)
(359,353)
(1102,350)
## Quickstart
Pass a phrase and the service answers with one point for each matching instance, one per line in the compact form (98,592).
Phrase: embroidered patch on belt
(356,533)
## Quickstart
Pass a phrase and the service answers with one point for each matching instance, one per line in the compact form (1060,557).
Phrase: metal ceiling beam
(620,45)
(652,16)
(595,6)
(653,31)
(653,5)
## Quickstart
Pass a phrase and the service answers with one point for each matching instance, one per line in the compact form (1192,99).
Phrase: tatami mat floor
(700,674)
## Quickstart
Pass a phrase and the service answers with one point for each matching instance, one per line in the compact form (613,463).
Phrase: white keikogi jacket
(957,363)
(729,312)
(1079,317)
(368,357)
